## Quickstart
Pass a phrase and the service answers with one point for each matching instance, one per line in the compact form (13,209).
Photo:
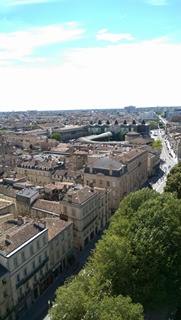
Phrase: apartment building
(38,172)
(5,293)
(87,208)
(60,244)
(122,173)
(24,254)
(7,210)
(108,173)
(24,200)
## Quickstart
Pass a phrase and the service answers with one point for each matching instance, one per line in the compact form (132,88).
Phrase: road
(168,160)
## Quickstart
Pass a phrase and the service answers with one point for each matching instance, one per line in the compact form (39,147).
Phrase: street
(168,160)
(39,310)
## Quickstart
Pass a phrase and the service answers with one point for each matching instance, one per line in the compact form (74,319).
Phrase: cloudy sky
(89,53)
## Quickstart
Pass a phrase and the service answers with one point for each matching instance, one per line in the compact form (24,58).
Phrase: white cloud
(145,74)
(105,35)
(20,44)
(157,2)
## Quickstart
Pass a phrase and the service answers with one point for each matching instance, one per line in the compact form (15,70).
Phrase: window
(62,236)
(25,272)
(108,184)
(65,209)
(38,244)
(17,278)
(20,292)
(15,262)
(58,254)
(44,240)
(4,282)
(33,265)
(22,256)
(31,250)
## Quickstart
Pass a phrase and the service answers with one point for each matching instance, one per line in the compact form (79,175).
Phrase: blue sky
(83,54)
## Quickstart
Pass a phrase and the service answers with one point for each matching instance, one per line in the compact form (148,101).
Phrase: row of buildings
(54,203)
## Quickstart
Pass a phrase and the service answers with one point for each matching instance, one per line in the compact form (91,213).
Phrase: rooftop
(58,185)
(129,156)
(55,226)
(79,196)
(4,203)
(18,234)
(27,192)
(107,163)
(49,206)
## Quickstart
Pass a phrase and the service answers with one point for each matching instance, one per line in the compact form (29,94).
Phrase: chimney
(20,220)
(69,198)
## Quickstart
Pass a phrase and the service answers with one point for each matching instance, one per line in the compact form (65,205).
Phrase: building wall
(88,219)
(5,297)
(41,177)
(60,249)
(133,179)
(27,266)
(117,185)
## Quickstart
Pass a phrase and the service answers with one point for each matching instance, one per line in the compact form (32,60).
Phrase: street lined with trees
(135,267)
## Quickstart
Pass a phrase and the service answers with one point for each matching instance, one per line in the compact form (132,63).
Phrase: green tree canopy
(78,300)
(157,144)
(173,183)
(142,250)
(139,256)
(153,124)
(56,136)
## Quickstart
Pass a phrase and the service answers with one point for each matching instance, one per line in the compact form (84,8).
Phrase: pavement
(168,161)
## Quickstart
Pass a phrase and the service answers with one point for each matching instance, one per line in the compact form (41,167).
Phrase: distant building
(72,132)
(25,199)
(121,173)
(130,109)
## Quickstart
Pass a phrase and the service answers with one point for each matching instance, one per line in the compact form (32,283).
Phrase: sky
(72,54)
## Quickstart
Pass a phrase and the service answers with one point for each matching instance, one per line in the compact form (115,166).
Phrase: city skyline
(81,54)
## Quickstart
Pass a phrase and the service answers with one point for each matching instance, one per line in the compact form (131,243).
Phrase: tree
(56,136)
(116,122)
(173,183)
(134,122)
(138,256)
(157,144)
(153,124)
(99,122)
(108,122)
(142,251)
(78,300)
(124,122)
(115,308)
